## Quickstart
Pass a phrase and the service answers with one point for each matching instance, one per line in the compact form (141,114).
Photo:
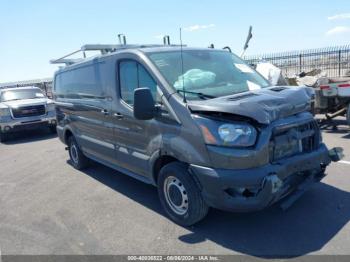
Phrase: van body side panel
(93,130)
(83,103)
(135,140)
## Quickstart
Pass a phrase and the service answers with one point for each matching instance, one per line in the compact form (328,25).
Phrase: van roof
(152,49)
(127,48)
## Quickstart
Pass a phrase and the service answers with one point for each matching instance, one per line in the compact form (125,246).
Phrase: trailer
(333,99)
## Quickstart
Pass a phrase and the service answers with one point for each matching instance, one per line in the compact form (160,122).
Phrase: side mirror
(144,106)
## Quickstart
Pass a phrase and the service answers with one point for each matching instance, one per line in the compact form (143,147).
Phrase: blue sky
(33,32)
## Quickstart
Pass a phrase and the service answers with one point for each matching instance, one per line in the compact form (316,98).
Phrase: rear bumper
(256,188)
(25,123)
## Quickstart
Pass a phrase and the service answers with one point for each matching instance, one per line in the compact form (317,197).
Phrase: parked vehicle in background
(332,95)
(333,99)
(200,124)
(24,108)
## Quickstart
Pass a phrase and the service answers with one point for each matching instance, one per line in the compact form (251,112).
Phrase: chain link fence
(334,61)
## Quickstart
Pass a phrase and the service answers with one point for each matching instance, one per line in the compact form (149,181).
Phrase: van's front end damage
(256,188)
(287,158)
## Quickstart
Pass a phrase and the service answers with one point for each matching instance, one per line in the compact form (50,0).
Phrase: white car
(23,108)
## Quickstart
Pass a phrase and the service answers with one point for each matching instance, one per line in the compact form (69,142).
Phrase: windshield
(21,94)
(207,73)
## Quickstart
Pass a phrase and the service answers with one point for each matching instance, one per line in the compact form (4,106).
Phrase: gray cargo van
(200,124)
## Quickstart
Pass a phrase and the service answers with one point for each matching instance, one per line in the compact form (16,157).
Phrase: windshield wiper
(199,94)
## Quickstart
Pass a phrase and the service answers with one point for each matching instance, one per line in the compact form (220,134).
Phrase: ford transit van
(199,124)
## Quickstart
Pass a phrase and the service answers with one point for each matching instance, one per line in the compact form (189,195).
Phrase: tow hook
(336,154)
(66,148)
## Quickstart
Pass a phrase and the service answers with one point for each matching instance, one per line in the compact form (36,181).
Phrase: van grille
(27,111)
(287,141)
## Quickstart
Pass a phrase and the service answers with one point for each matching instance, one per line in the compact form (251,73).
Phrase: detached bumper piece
(335,155)
(256,188)
(300,190)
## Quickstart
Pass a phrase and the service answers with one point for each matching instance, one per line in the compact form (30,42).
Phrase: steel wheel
(77,157)
(74,153)
(180,195)
(176,195)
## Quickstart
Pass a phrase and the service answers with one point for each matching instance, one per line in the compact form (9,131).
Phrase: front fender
(188,150)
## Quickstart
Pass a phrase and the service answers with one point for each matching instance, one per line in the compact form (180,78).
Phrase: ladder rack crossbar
(104,49)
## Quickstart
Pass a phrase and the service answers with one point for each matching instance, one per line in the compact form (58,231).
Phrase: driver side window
(133,75)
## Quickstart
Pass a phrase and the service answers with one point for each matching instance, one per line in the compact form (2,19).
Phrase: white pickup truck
(23,108)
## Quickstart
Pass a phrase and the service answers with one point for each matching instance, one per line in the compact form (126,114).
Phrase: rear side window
(133,75)
(82,82)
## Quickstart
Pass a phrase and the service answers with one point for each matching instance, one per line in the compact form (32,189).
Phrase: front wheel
(180,196)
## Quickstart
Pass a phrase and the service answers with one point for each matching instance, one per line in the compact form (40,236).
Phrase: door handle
(118,116)
(105,112)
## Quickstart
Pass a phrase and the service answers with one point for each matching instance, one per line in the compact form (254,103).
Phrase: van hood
(27,102)
(264,105)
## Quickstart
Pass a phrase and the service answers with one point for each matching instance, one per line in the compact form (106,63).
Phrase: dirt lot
(47,207)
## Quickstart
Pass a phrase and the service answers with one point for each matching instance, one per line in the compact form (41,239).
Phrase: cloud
(160,36)
(339,16)
(338,30)
(198,27)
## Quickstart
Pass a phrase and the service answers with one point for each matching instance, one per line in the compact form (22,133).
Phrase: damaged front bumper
(256,188)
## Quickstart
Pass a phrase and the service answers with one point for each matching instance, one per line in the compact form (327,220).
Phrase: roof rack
(104,49)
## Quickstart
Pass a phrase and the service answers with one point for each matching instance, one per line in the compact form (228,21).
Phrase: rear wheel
(77,157)
(52,129)
(180,196)
(3,137)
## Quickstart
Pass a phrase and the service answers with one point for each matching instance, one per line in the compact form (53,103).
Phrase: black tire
(177,175)
(52,129)
(313,109)
(3,137)
(348,115)
(78,159)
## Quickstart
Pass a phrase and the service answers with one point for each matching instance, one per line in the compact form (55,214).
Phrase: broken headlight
(235,134)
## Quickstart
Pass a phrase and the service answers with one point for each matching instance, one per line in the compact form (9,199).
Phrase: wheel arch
(66,134)
(161,161)
(158,162)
